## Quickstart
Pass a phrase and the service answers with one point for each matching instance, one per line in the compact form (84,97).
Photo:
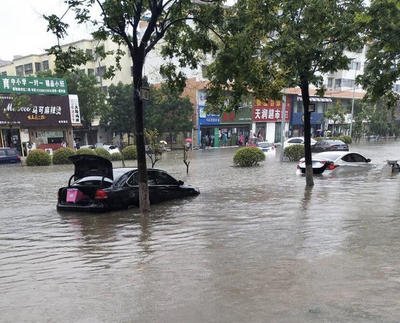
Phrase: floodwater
(254,246)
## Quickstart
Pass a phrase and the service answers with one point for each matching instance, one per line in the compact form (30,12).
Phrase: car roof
(330,155)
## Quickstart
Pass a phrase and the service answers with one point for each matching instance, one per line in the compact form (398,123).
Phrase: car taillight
(100,195)
(331,166)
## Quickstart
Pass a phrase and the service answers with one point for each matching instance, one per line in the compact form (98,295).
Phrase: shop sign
(242,115)
(270,111)
(33,85)
(74,109)
(206,119)
(42,110)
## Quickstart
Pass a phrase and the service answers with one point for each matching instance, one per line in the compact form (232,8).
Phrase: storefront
(267,119)
(31,118)
(235,128)
(319,105)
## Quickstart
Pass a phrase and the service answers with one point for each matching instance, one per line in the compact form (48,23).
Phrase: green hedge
(248,157)
(85,151)
(129,152)
(345,139)
(102,152)
(294,152)
(38,157)
(60,156)
(116,156)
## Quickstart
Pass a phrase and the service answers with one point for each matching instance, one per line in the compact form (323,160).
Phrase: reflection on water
(255,246)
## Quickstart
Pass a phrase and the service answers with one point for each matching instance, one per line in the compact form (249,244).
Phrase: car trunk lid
(91,165)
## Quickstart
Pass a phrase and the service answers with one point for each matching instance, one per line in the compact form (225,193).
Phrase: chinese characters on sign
(32,85)
(74,109)
(42,110)
(270,111)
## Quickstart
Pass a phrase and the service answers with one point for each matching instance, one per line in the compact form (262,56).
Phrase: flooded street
(254,246)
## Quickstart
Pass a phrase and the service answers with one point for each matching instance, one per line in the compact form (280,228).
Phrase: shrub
(345,139)
(38,157)
(60,156)
(129,152)
(102,152)
(116,156)
(85,151)
(294,152)
(248,157)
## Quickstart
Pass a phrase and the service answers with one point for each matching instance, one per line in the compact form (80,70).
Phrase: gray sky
(23,30)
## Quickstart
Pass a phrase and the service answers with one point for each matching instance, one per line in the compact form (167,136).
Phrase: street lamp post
(352,100)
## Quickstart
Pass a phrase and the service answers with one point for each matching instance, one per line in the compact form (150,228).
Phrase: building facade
(36,112)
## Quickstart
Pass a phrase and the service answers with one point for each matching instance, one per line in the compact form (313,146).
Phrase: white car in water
(335,161)
(297,141)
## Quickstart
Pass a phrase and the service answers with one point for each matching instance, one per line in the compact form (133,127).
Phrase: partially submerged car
(297,141)
(9,156)
(96,186)
(335,161)
(266,146)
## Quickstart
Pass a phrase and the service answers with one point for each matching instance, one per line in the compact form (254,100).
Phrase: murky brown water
(255,246)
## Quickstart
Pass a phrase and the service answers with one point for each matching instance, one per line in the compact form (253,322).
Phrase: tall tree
(275,44)
(168,112)
(180,22)
(92,100)
(120,115)
(382,69)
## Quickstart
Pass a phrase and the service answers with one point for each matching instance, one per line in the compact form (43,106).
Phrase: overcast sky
(23,29)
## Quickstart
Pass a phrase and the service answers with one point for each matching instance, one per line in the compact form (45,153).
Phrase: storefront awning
(316,99)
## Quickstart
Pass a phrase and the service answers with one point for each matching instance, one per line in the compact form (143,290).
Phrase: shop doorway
(11,138)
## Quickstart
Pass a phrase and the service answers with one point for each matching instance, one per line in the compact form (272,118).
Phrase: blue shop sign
(316,118)
(207,119)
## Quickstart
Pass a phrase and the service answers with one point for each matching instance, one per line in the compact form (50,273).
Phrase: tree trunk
(307,130)
(144,200)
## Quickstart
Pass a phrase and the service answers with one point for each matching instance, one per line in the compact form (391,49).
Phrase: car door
(124,192)
(132,185)
(165,187)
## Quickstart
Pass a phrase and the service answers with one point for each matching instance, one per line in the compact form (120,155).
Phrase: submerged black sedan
(96,186)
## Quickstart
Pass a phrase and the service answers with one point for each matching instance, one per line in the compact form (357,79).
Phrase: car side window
(165,179)
(296,141)
(2,153)
(354,158)
(358,158)
(348,158)
(133,180)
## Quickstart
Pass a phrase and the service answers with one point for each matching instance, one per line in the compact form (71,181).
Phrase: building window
(338,83)
(347,83)
(354,65)
(19,70)
(330,82)
(38,67)
(90,71)
(45,65)
(28,68)
(3,73)
(100,71)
